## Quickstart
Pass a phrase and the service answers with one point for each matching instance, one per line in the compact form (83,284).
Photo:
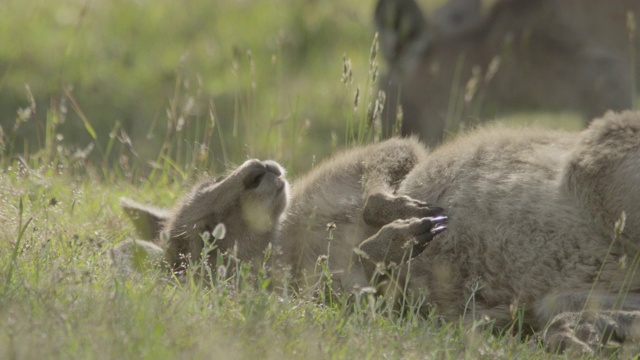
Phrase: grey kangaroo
(531,228)
(354,191)
(475,59)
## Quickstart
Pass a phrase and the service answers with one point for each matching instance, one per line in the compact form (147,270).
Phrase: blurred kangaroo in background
(475,60)
(535,235)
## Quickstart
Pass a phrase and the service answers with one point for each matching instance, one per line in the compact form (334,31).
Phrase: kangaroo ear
(402,30)
(148,220)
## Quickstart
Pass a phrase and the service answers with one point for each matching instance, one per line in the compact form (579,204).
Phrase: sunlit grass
(138,99)
(59,297)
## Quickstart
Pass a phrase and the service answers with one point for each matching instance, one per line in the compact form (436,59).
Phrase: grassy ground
(138,98)
(59,297)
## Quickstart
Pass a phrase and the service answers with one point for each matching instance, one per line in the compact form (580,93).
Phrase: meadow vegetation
(103,99)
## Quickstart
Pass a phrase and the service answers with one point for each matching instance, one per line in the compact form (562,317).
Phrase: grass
(253,72)
(138,98)
(59,298)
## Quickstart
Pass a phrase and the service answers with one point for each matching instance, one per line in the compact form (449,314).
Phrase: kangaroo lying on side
(354,191)
(532,224)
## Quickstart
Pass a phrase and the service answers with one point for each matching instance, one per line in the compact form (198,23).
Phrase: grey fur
(472,60)
(336,191)
(249,201)
(532,217)
(342,191)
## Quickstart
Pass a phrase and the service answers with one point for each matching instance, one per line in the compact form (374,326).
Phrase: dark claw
(435,209)
(441,219)
(434,227)
(438,229)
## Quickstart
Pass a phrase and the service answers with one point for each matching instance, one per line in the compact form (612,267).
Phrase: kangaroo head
(249,202)
(403,32)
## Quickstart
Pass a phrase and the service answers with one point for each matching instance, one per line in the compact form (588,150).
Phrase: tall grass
(249,78)
(137,98)
(60,298)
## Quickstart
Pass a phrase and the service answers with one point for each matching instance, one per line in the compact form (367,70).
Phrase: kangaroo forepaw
(381,209)
(402,239)
(425,230)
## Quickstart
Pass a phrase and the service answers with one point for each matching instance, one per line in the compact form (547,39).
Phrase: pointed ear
(402,30)
(147,220)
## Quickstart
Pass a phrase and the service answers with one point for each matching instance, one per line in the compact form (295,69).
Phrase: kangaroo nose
(254,172)
(273,167)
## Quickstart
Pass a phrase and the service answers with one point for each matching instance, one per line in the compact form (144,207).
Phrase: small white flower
(220,231)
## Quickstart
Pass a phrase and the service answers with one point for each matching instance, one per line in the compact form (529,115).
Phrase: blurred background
(129,86)
(241,77)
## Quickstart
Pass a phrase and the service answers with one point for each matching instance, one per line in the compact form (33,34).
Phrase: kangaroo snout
(256,171)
